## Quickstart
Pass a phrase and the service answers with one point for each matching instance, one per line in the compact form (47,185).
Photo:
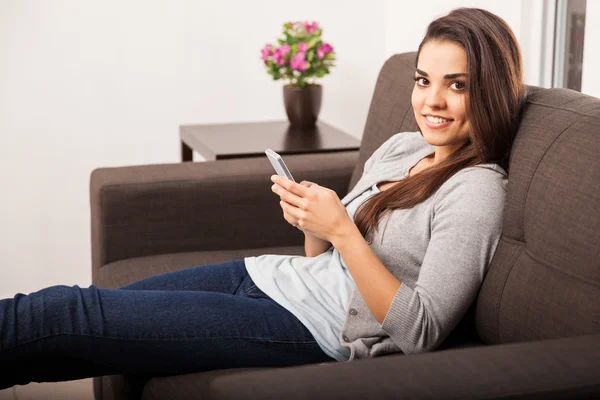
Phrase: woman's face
(440,95)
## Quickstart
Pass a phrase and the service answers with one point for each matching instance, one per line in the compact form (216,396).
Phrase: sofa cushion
(123,272)
(544,279)
(189,386)
(197,386)
(552,369)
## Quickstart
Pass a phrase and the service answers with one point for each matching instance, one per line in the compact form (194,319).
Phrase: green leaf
(313,41)
(289,39)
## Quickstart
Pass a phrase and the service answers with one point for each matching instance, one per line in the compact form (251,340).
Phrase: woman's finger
(291,220)
(288,196)
(306,183)
(291,186)
(292,210)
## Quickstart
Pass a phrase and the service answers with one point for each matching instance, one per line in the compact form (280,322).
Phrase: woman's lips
(433,125)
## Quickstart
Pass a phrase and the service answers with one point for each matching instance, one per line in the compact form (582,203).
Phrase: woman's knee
(58,310)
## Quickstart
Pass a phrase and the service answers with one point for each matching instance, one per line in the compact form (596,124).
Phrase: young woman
(392,267)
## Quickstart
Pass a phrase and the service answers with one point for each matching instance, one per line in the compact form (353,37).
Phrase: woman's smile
(436,122)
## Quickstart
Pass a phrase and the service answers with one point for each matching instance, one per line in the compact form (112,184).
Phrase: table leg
(186,153)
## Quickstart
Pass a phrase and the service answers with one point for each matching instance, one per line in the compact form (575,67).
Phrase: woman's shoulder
(407,141)
(476,193)
(486,182)
(397,145)
(490,173)
(402,144)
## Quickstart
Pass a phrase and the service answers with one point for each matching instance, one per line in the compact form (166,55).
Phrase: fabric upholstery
(124,272)
(391,109)
(544,281)
(524,371)
(190,386)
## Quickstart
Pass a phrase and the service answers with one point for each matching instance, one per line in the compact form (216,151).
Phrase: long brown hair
(495,96)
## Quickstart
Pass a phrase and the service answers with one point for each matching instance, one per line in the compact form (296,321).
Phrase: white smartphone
(278,164)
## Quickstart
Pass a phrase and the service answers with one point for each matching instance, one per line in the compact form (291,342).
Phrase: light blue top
(315,289)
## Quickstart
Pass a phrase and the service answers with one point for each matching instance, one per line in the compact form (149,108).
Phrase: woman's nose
(435,99)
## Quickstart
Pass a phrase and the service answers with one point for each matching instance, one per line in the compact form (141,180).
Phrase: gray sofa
(533,332)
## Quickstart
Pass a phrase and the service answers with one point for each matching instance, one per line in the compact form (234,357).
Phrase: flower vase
(302,104)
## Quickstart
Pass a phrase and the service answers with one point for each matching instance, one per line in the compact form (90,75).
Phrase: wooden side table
(240,140)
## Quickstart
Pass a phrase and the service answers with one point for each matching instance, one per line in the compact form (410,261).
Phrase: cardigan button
(345,338)
(353,311)
(369,240)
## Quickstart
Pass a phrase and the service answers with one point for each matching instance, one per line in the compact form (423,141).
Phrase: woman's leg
(219,321)
(227,277)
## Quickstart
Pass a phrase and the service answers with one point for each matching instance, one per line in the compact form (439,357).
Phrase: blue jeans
(197,319)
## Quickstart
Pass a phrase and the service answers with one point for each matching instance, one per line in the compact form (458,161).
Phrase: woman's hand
(292,221)
(313,209)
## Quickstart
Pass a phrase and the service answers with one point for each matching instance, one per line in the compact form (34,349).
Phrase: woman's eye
(457,85)
(421,81)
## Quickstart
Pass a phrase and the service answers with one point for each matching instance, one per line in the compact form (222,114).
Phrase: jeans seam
(159,339)
(247,290)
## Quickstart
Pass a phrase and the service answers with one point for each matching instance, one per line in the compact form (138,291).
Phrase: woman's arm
(376,284)
(465,230)
(313,246)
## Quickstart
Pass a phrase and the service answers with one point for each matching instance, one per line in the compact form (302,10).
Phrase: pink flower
(303,47)
(298,62)
(324,49)
(266,52)
(284,49)
(278,56)
(310,28)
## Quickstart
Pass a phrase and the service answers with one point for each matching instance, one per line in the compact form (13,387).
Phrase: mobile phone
(278,164)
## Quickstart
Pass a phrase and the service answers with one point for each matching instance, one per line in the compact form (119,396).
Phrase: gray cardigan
(440,250)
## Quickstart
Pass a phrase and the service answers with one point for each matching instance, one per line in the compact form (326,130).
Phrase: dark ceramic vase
(302,104)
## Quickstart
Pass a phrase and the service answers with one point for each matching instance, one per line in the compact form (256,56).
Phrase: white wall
(590,82)
(406,25)
(91,84)
(406,22)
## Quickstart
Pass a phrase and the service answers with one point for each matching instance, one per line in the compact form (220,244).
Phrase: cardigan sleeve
(466,226)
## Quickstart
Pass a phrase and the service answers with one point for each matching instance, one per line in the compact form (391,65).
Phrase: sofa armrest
(217,205)
(567,368)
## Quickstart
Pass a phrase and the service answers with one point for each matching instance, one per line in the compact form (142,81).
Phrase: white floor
(73,390)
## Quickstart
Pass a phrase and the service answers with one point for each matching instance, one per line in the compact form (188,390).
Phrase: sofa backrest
(390,111)
(544,279)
